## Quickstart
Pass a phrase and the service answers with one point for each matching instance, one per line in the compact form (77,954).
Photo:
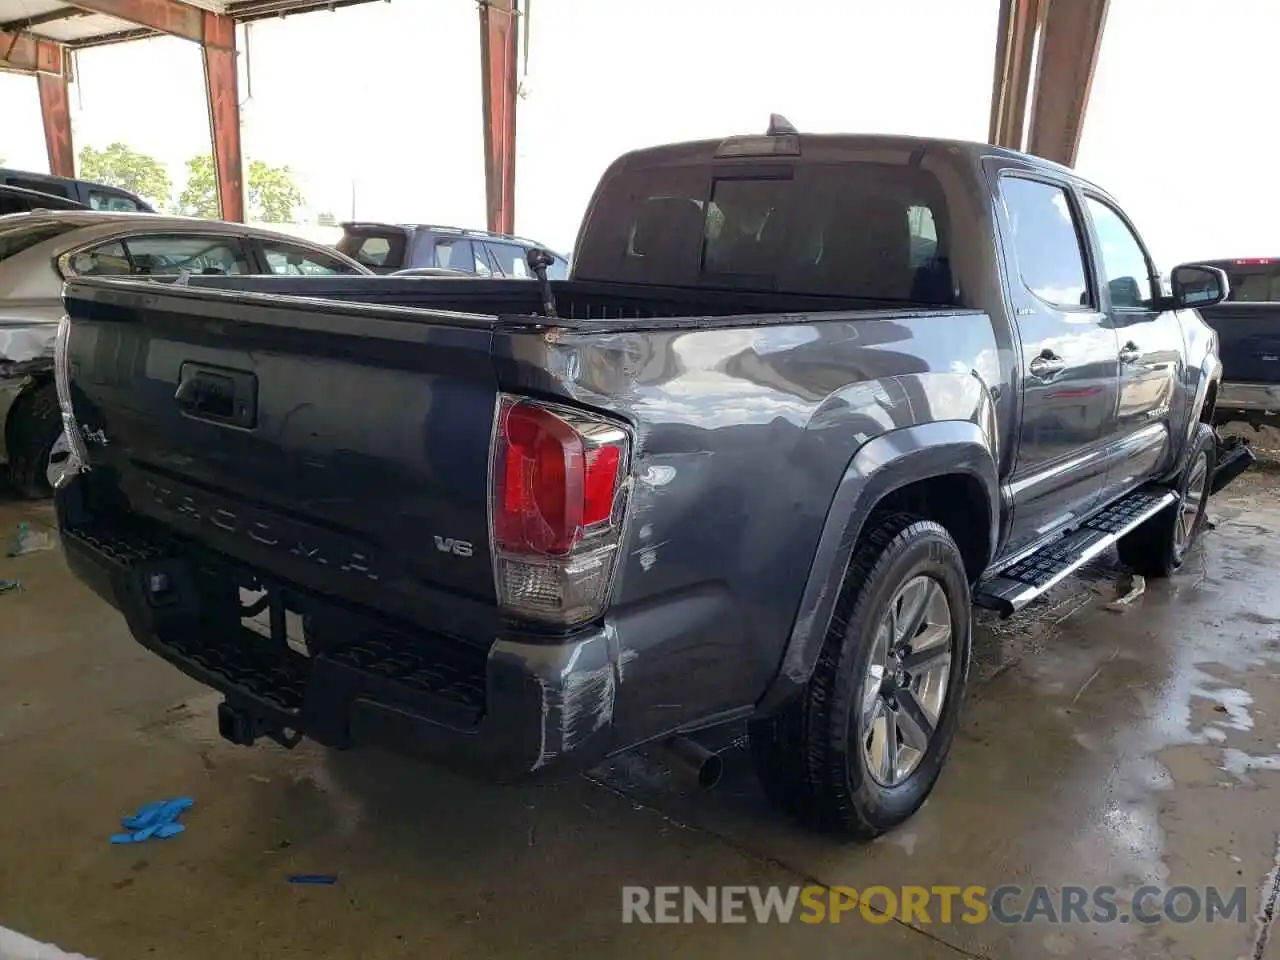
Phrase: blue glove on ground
(159,820)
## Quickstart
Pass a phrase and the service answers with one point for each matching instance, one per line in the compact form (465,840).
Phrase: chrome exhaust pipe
(704,766)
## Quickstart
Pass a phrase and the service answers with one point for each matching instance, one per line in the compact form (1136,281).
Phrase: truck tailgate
(344,448)
(1248,340)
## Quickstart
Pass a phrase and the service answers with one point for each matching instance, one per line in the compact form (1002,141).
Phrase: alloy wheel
(905,686)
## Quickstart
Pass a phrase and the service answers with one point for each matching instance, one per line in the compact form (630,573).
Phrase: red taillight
(600,484)
(1254,261)
(557,478)
(559,491)
(540,483)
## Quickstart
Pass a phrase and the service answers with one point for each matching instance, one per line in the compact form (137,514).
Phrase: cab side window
(1046,241)
(1125,267)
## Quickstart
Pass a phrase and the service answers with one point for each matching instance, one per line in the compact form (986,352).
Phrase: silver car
(39,250)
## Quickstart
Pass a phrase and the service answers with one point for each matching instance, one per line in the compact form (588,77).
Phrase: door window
(115,202)
(456,255)
(509,258)
(106,260)
(1046,241)
(289,260)
(165,256)
(1125,267)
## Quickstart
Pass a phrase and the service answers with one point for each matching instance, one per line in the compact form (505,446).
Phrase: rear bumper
(502,713)
(1261,398)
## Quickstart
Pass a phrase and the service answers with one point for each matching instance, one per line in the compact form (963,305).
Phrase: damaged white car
(39,250)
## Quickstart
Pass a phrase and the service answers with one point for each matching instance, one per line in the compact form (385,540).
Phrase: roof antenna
(780,126)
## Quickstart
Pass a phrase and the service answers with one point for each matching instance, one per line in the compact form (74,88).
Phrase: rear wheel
(861,749)
(1159,547)
(37,448)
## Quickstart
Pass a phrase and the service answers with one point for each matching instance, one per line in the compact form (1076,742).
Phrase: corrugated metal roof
(62,22)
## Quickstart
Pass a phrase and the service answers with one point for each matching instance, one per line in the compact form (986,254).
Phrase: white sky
(387,97)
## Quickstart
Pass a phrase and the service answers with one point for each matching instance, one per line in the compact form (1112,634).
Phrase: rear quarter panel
(742,436)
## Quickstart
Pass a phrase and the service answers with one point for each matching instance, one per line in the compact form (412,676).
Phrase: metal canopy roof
(85,25)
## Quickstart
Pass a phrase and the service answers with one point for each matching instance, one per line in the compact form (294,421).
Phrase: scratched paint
(574,708)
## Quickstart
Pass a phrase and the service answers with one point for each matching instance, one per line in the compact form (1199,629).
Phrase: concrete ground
(1097,747)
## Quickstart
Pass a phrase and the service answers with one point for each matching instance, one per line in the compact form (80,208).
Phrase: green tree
(272,197)
(273,193)
(121,166)
(199,197)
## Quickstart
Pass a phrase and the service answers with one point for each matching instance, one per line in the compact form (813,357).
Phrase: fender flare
(1210,377)
(881,466)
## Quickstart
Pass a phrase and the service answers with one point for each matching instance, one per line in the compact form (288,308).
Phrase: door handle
(1047,365)
(1130,353)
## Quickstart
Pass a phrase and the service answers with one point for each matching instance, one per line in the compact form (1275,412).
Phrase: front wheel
(861,749)
(1159,547)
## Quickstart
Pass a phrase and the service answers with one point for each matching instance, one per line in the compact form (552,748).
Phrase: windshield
(15,239)
(864,230)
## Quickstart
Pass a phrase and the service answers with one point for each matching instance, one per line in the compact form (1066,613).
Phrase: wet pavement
(1097,748)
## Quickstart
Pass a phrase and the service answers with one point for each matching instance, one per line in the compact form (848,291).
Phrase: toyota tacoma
(803,402)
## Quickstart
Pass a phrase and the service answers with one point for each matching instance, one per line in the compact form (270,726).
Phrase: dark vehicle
(92,196)
(393,248)
(804,400)
(21,200)
(1248,326)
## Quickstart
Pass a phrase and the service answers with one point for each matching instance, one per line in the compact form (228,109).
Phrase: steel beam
(1070,40)
(55,111)
(1011,86)
(40,19)
(23,53)
(167,16)
(498,47)
(223,91)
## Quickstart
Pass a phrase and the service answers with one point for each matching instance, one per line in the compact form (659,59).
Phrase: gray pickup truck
(802,403)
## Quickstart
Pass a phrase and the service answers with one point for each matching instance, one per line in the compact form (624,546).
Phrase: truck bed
(337,448)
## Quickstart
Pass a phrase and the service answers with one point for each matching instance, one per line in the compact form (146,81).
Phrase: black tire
(808,757)
(34,425)
(1159,547)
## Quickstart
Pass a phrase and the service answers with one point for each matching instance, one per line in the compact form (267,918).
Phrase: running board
(1014,587)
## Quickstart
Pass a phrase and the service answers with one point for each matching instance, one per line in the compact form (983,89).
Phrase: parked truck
(1248,328)
(803,402)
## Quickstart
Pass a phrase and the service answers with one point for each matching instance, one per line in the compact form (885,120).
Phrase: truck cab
(93,196)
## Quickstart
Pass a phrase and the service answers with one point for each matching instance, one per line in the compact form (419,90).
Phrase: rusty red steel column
(1011,88)
(498,48)
(222,88)
(1070,40)
(55,111)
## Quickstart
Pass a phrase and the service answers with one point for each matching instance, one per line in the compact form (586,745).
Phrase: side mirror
(1195,285)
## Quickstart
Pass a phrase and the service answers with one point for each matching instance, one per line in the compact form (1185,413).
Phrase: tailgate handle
(218,394)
